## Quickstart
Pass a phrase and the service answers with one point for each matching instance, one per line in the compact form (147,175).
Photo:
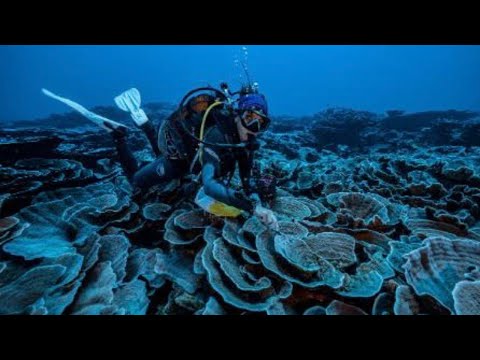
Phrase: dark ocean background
(375,151)
(299,80)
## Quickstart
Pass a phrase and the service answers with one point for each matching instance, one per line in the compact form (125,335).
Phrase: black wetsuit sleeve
(151,134)
(217,190)
(245,163)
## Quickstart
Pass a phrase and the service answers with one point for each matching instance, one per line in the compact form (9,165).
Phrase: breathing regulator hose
(202,127)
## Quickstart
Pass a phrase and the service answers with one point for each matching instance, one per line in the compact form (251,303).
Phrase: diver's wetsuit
(162,170)
(218,163)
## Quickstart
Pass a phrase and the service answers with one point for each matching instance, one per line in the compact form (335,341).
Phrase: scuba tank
(173,138)
(181,134)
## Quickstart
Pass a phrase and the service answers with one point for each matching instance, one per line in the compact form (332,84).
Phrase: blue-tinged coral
(236,283)
(318,212)
(292,259)
(10,228)
(141,265)
(249,231)
(131,298)
(90,251)
(114,248)
(177,235)
(365,283)
(212,307)
(232,233)
(16,296)
(457,170)
(289,207)
(466,297)
(237,272)
(435,268)
(372,237)
(377,262)
(211,233)
(315,310)
(406,302)
(3,198)
(177,267)
(12,270)
(6,224)
(47,235)
(181,302)
(195,219)
(58,297)
(396,257)
(180,229)
(422,183)
(155,211)
(95,297)
(367,207)
(251,257)
(370,221)
(336,248)
(59,220)
(337,307)
(291,229)
(197,262)
(307,180)
(383,304)
(428,228)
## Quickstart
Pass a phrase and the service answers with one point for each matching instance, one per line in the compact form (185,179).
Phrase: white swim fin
(130,101)
(105,123)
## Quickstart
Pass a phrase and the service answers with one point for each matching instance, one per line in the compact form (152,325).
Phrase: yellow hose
(202,127)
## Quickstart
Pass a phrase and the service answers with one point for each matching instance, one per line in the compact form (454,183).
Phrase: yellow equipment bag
(215,207)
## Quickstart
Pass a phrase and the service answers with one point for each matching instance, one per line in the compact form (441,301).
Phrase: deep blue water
(299,80)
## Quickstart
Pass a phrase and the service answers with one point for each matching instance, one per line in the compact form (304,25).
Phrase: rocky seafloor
(378,214)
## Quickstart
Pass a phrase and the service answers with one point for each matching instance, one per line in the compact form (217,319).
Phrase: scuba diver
(227,136)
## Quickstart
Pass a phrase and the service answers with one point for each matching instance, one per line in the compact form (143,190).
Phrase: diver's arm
(245,171)
(215,189)
(245,167)
(151,135)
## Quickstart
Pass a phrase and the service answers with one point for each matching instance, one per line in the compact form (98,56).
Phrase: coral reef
(377,215)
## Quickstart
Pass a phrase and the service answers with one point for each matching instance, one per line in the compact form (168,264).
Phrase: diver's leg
(160,171)
(127,159)
(117,130)
(151,135)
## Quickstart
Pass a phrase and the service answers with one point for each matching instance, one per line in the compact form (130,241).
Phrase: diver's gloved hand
(266,217)
(243,201)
